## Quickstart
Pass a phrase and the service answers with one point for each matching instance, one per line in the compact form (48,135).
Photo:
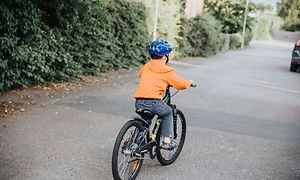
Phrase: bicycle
(143,138)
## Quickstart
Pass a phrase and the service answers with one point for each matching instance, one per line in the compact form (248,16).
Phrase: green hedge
(248,37)
(291,27)
(201,36)
(235,40)
(58,40)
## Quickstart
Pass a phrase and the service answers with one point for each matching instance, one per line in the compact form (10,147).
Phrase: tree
(263,7)
(230,14)
(289,11)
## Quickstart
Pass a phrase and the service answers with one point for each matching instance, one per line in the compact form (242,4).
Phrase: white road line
(281,89)
(265,84)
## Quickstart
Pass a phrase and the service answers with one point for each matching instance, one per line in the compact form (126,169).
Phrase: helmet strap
(167,59)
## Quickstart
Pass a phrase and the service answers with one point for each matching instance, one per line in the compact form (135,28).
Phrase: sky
(272,2)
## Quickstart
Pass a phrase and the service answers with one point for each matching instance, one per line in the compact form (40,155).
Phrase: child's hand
(192,84)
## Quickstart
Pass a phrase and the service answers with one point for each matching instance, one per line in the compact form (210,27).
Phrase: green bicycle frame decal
(153,135)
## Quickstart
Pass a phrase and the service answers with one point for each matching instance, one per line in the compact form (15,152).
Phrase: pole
(244,25)
(155,21)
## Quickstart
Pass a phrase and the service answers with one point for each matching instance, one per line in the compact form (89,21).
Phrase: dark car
(295,64)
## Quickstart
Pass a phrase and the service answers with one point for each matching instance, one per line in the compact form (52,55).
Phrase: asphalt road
(243,123)
(285,35)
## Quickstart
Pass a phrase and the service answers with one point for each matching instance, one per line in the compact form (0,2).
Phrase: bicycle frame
(167,99)
(151,136)
(155,129)
(145,138)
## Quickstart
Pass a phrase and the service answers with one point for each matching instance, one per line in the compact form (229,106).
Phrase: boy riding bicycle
(155,76)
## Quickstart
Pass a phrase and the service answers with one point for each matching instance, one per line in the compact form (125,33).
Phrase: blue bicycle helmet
(160,47)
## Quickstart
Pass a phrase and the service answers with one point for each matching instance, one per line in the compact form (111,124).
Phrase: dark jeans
(163,111)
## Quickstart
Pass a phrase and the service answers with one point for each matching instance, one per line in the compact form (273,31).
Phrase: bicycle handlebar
(192,85)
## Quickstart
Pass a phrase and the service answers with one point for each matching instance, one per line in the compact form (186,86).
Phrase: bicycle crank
(153,151)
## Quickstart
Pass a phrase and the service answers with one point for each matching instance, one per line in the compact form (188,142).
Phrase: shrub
(262,31)
(59,40)
(170,12)
(291,27)
(235,41)
(248,37)
(29,54)
(230,14)
(201,36)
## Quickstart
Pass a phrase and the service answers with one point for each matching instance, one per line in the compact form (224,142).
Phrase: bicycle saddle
(145,114)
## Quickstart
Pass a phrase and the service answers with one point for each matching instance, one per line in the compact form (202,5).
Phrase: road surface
(243,122)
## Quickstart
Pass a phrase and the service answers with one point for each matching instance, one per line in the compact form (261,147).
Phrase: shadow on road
(244,125)
(96,104)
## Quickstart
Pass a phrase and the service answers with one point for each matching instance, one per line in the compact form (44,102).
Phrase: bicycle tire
(115,155)
(160,156)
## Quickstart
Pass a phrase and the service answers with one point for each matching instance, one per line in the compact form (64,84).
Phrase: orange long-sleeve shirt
(155,77)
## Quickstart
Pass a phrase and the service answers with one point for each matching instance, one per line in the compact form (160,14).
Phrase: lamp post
(155,20)
(244,25)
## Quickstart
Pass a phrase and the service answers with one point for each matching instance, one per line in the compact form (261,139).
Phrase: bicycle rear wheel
(126,164)
(166,157)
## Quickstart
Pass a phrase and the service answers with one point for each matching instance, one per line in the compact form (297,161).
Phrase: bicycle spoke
(122,162)
(127,173)
(136,133)
(134,160)
(142,140)
(125,162)
(125,159)
(122,170)
(169,154)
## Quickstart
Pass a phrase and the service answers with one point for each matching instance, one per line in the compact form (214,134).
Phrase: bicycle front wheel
(166,157)
(126,163)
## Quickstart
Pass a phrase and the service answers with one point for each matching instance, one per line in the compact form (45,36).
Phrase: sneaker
(169,146)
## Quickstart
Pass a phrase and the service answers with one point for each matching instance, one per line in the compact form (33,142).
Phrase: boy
(155,76)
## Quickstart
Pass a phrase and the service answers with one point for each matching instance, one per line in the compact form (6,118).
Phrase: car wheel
(293,67)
